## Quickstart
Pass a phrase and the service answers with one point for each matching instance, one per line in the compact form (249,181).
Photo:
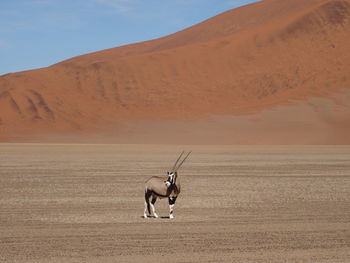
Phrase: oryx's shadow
(161,217)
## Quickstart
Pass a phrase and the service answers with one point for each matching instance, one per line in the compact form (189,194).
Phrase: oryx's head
(172,177)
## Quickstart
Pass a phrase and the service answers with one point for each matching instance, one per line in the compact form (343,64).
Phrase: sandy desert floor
(84,203)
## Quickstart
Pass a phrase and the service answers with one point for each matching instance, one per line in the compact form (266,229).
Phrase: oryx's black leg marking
(147,204)
(154,199)
(171,201)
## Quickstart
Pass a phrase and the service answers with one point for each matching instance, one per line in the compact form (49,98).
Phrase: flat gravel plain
(84,203)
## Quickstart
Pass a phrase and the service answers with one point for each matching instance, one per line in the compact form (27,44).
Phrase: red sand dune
(276,71)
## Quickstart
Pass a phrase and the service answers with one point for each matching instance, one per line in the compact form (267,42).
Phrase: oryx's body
(156,187)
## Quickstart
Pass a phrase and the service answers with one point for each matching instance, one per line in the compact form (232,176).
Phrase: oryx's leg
(171,206)
(147,204)
(154,199)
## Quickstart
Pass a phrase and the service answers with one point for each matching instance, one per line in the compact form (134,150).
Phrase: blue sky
(38,33)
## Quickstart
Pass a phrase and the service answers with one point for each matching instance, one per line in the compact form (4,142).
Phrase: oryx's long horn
(182,161)
(178,159)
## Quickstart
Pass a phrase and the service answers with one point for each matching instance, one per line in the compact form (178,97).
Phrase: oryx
(160,187)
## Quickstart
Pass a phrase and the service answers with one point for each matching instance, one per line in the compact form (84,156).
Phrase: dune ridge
(249,62)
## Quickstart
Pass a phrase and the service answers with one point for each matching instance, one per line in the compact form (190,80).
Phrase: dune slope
(244,65)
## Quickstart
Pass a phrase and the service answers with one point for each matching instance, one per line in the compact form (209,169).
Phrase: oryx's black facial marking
(171,178)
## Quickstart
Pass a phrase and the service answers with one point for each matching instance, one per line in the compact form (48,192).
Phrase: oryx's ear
(168,173)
